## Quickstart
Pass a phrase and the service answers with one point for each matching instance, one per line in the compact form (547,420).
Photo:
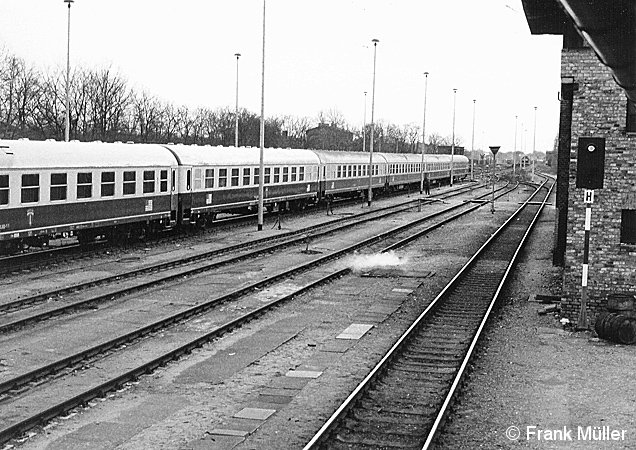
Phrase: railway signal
(494,150)
(590,172)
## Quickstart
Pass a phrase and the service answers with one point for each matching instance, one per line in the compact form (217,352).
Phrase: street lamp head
(69,2)
(425,74)
(454,90)
(375,41)
(237,55)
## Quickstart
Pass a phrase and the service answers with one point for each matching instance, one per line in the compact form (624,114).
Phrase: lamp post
(236,114)
(472,145)
(261,164)
(534,139)
(67,118)
(515,149)
(364,125)
(453,138)
(423,133)
(375,46)
(494,151)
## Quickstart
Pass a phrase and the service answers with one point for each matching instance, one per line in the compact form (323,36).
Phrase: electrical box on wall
(590,168)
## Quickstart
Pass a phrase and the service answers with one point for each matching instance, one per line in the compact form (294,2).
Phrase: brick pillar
(563,168)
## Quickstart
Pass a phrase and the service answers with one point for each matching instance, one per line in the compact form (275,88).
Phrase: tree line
(104,107)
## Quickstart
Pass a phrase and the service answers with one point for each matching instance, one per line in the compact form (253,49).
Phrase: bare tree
(411,134)
(110,97)
(11,69)
(49,113)
(146,114)
(332,117)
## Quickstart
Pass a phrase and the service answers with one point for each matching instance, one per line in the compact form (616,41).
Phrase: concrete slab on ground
(229,361)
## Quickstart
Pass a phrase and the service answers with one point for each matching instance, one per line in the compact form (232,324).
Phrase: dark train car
(403,169)
(49,188)
(225,179)
(347,173)
(438,167)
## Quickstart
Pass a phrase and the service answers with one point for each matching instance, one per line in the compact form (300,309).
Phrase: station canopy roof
(609,27)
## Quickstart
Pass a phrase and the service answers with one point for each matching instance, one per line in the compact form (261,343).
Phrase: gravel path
(534,375)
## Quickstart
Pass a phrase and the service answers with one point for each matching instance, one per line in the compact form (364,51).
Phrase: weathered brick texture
(599,110)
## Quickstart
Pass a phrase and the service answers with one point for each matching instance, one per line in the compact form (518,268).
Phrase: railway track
(404,399)
(172,269)
(70,250)
(33,397)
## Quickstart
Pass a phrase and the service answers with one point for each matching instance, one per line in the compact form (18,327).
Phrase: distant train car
(50,188)
(404,169)
(222,179)
(347,173)
(438,167)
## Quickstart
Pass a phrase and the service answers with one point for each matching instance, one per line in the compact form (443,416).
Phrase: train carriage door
(322,180)
(174,197)
(185,197)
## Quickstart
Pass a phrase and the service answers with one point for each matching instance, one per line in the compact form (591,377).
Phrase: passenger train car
(117,190)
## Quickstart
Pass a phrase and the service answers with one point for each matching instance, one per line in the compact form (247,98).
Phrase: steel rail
(329,227)
(9,263)
(458,378)
(11,431)
(329,425)
(55,366)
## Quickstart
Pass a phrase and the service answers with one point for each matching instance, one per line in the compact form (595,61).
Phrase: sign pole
(582,319)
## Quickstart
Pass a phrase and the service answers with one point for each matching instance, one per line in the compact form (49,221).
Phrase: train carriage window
(301,174)
(163,181)
(198,179)
(246,176)
(339,172)
(267,175)
(84,185)
(58,186)
(130,181)
(222,178)
(285,174)
(293,173)
(30,188)
(149,181)
(375,169)
(257,172)
(235,177)
(276,174)
(4,189)
(108,184)
(349,170)
(209,178)
(355,171)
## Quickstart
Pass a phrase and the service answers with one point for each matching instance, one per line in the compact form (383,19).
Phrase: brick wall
(599,110)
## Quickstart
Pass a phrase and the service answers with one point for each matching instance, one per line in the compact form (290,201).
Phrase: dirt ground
(531,377)
(538,385)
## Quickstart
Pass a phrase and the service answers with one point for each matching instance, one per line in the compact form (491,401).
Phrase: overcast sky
(319,57)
